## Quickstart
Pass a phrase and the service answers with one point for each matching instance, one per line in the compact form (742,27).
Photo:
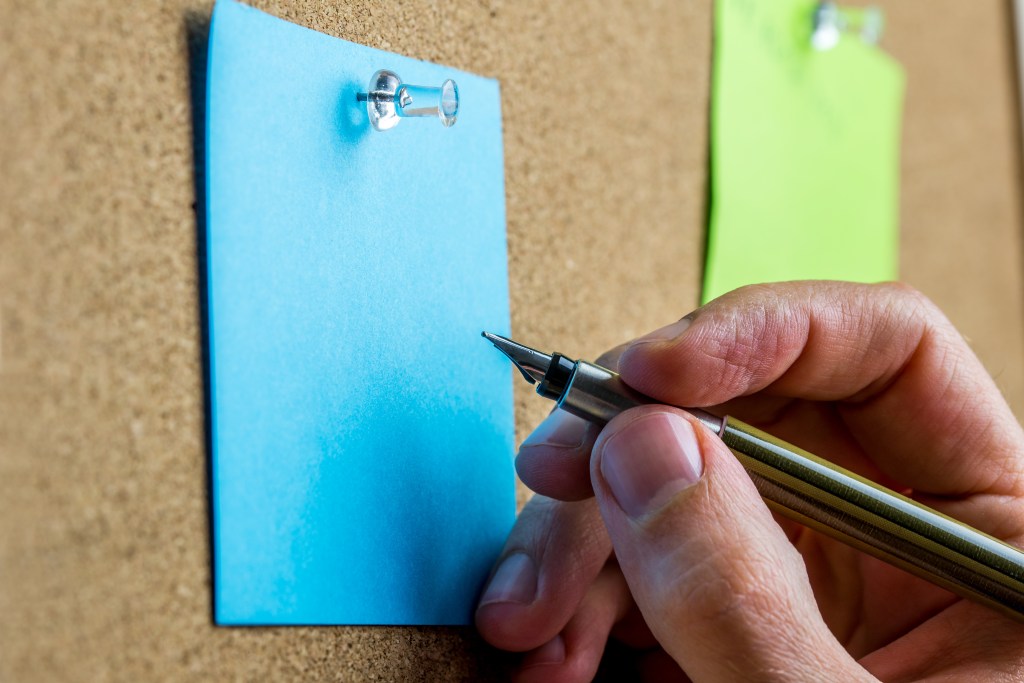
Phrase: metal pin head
(388,100)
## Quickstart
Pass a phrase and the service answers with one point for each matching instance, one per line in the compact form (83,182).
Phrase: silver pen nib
(531,362)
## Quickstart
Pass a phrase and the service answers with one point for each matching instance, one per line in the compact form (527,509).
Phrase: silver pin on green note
(830,21)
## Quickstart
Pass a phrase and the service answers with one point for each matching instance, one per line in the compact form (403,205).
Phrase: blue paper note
(362,431)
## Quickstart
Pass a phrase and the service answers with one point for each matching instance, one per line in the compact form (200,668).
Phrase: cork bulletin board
(104,547)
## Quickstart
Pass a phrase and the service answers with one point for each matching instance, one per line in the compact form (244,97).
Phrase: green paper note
(805,152)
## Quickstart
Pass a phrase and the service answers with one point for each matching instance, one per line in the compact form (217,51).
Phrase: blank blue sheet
(362,430)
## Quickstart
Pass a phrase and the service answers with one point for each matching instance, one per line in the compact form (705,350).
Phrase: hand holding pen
(873,378)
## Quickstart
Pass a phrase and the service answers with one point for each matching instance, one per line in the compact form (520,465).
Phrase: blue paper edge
(383,54)
(210,337)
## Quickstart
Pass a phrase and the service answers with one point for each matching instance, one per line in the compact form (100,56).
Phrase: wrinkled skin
(704,584)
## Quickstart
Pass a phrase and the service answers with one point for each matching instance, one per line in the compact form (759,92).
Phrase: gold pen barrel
(856,511)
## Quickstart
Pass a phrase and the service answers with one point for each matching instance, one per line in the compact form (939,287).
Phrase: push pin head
(830,22)
(389,100)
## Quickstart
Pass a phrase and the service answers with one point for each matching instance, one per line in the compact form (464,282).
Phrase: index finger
(911,392)
(555,459)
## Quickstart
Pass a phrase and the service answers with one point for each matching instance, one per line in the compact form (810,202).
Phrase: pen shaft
(879,521)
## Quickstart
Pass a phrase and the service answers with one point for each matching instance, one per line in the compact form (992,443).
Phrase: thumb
(721,587)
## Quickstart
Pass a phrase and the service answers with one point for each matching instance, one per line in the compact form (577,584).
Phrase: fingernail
(515,581)
(649,460)
(668,332)
(560,429)
(551,652)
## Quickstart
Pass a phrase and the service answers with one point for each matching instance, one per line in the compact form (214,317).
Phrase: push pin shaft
(388,100)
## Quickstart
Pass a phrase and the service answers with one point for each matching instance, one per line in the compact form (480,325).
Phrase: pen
(809,489)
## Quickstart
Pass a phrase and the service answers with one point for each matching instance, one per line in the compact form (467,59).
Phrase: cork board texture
(104,555)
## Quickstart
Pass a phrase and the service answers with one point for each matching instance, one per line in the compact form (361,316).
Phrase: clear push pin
(388,100)
(830,21)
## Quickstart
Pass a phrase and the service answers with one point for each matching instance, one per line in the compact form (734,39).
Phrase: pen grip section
(879,521)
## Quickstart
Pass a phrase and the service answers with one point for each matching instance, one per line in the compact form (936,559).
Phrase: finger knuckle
(902,301)
(730,585)
(745,341)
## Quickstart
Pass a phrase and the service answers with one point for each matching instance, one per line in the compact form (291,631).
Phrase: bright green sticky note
(805,152)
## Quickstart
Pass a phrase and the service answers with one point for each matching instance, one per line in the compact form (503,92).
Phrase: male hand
(669,550)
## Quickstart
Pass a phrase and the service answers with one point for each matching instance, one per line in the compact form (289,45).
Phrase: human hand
(703,580)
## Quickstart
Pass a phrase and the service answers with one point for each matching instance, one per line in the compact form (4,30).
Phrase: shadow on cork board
(197,32)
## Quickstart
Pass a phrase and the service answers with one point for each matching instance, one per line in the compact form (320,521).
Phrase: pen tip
(530,362)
